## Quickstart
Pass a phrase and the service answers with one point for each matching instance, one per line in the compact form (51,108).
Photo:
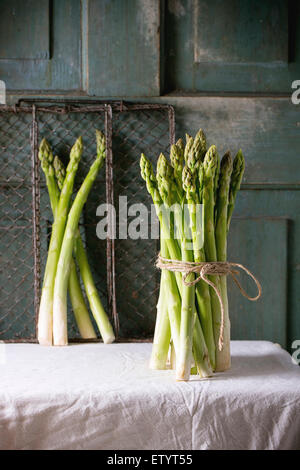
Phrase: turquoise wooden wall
(227,66)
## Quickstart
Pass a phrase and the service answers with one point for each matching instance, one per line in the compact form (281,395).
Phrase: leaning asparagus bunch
(61,272)
(194,196)
(55,175)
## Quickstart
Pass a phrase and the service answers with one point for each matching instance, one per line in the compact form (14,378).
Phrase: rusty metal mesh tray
(123,268)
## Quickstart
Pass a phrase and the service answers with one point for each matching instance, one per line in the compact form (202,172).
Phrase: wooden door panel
(260,244)
(44,51)
(241,31)
(122,47)
(266,129)
(236,46)
(24,29)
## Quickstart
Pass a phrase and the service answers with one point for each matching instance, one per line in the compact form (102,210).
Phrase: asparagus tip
(101,144)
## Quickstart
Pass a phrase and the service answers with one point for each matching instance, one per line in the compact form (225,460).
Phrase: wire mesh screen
(123,268)
(16,267)
(137,279)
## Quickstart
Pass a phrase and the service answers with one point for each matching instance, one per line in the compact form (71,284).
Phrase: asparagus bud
(165,180)
(101,146)
(197,151)
(187,138)
(46,158)
(201,139)
(210,163)
(177,161)
(189,184)
(188,146)
(180,146)
(60,172)
(149,177)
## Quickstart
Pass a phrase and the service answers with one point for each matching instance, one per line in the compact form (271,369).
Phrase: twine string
(213,268)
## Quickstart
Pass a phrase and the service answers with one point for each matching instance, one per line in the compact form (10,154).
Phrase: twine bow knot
(204,269)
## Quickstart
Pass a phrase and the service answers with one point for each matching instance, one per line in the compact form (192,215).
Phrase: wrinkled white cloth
(95,396)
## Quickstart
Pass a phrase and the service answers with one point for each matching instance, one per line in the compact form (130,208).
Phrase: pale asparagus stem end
(60,322)
(45,320)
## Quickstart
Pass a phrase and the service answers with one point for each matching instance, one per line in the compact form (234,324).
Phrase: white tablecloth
(95,396)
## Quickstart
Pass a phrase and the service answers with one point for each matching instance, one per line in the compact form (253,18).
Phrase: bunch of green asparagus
(192,186)
(65,243)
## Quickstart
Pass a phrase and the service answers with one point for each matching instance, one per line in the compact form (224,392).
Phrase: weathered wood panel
(215,46)
(266,129)
(123,50)
(277,203)
(63,69)
(24,29)
(260,244)
(243,31)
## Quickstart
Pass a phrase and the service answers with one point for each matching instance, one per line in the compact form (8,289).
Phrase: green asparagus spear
(222,206)
(194,187)
(81,314)
(152,188)
(167,189)
(235,183)
(160,347)
(162,332)
(84,267)
(202,288)
(91,290)
(200,347)
(170,248)
(77,301)
(60,336)
(210,167)
(221,244)
(45,322)
(216,181)
(173,298)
